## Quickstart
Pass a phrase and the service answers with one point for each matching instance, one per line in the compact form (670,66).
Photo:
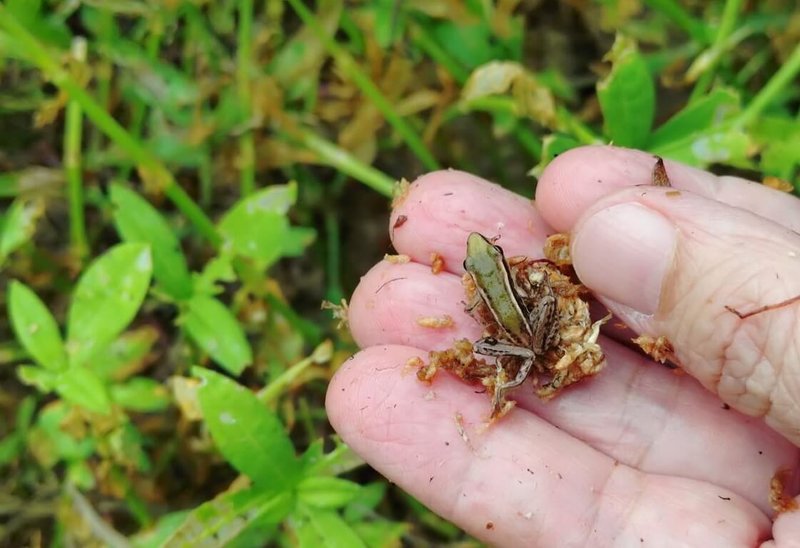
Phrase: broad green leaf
(297,239)
(138,221)
(141,394)
(627,96)
(726,145)
(332,530)
(80,474)
(706,112)
(19,224)
(35,327)
(81,387)
(106,299)
(218,269)
(214,329)
(249,436)
(127,355)
(779,141)
(256,227)
(368,499)
(327,492)
(222,520)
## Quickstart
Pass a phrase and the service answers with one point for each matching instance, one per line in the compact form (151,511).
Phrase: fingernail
(623,253)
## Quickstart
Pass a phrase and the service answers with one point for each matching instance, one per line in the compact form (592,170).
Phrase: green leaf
(19,224)
(138,221)
(106,299)
(214,329)
(715,145)
(127,354)
(627,96)
(709,111)
(249,436)
(381,532)
(222,520)
(35,327)
(256,227)
(81,387)
(332,531)
(552,146)
(42,379)
(50,443)
(141,394)
(327,492)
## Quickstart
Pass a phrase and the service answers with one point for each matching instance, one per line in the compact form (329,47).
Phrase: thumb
(716,280)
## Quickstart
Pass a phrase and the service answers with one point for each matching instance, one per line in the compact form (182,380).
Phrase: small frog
(525,311)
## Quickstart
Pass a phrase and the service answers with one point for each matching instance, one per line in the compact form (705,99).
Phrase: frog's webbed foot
(501,389)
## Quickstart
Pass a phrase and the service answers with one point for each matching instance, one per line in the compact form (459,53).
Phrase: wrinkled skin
(638,455)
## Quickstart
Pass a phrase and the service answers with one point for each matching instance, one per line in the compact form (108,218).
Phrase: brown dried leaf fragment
(556,249)
(778,184)
(397,259)
(339,311)
(400,221)
(400,192)
(436,322)
(658,348)
(779,499)
(437,263)
(660,177)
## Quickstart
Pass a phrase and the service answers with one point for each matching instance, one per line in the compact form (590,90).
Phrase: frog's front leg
(489,346)
(500,390)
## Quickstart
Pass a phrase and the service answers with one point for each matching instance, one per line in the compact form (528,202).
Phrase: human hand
(636,454)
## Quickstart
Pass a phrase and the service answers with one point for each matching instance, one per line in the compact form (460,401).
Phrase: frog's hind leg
(500,390)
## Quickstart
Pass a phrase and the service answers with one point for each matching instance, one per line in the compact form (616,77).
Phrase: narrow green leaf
(127,354)
(709,111)
(222,520)
(141,394)
(333,530)
(19,224)
(35,327)
(714,145)
(106,299)
(81,387)
(214,329)
(248,435)
(44,380)
(256,227)
(327,492)
(627,96)
(138,221)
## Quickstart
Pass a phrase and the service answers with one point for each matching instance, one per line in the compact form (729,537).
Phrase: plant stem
(342,160)
(779,81)
(73,133)
(270,392)
(150,167)
(247,154)
(350,69)
(727,23)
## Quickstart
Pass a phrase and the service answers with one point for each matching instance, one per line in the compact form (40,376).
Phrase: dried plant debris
(658,348)
(437,263)
(778,183)
(660,177)
(339,311)
(436,322)
(536,325)
(556,249)
(396,259)
(399,192)
(779,498)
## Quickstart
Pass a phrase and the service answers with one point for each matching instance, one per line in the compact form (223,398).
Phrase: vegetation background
(184,181)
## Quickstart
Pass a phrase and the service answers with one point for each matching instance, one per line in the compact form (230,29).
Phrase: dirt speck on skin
(489,525)
(436,322)
(673,193)
(658,348)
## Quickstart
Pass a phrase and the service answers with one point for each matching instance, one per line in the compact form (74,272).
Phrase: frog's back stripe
(492,276)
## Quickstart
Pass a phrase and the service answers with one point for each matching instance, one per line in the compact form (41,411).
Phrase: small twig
(765,308)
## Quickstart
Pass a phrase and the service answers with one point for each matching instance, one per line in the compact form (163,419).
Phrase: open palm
(638,455)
